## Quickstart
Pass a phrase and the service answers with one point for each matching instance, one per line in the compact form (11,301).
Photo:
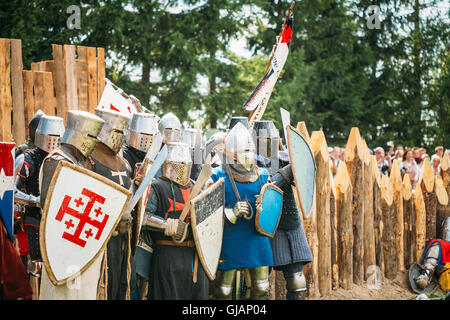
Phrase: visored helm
(170,128)
(243,120)
(177,166)
(113,130)
(49,132)
(240,149)
(142,130)
(196,142)
(82,130)
(267,138)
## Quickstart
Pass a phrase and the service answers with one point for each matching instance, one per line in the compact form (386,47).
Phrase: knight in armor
(108,163)
(141,131)
(77,143)
(436,261)
(32,126)
(289,245)
(47,138)
(243,247)
(176,271)
(196,142)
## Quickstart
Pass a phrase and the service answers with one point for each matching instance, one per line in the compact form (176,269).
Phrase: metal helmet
(267,138)
(243,120)
(34,123)
(177,166)
(196,142)
(170,128)
(82,130)
(142,129)
(240,149)
(49,132)
(113,130)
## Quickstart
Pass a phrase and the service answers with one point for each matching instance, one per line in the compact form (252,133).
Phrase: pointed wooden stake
(378,215)
(408,222)
(389,243)
(420,219)
(396,182)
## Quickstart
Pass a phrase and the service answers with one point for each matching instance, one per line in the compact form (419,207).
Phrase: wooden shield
(7,186)
(268,210)
(303,169)
(207,221)
(81,211)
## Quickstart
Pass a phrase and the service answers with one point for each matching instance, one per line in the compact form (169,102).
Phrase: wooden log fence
(74,79)
(364,221)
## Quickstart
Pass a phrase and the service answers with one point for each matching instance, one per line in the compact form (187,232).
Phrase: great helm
(196,142)
(177,166)
(82,130)
(267,138)
(113,130)
(34,123)
(170,128)
(49,132)
(141,130)
(243,120)
(240,149)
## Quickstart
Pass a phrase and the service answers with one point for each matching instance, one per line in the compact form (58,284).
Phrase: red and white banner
(7,186)
(81,212)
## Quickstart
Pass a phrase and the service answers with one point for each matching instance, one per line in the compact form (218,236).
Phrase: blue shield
(268,210)
(7,186)
(303,169)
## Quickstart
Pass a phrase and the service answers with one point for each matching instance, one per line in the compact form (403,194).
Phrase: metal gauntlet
(26,199)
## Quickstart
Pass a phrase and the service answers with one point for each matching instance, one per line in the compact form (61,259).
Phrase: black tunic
(173,266)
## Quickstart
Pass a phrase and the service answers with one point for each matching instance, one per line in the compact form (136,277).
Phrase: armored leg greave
(429,264)
(226,285)
(260,283)
(295,285)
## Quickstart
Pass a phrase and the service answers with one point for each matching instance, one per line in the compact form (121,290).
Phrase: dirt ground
(398,289)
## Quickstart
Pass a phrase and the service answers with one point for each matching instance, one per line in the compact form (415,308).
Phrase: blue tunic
(243,247)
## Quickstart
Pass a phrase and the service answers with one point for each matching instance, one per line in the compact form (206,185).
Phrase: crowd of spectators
(410,160)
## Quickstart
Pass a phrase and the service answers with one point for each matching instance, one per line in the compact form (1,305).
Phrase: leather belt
(173,243)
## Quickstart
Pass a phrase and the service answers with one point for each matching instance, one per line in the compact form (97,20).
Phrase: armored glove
(125,223)
(177,229)
(240,209)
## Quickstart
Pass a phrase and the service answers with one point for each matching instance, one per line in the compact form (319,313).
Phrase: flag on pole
(116,100)
(259,98)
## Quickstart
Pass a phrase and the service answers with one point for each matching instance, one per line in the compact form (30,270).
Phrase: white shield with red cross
(81,211)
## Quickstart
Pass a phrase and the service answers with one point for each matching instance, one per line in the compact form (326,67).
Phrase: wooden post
(345,226)
(378,215)
(5,90)
(71,80)
(420,222)
(389,241)
(28,97)
(334,233)
(60,80)
(427,185)
(92,78)
(17,92)
(82,78)
(311,270)
(354,156)
(442,205)
(369,231)
(396,182)
(101,73)
(408,222)
(43,92)
(321,155)
(444,212)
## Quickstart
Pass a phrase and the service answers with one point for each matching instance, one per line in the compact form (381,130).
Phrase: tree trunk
(345,226)
(354,160)
(389,241)
(334,234)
